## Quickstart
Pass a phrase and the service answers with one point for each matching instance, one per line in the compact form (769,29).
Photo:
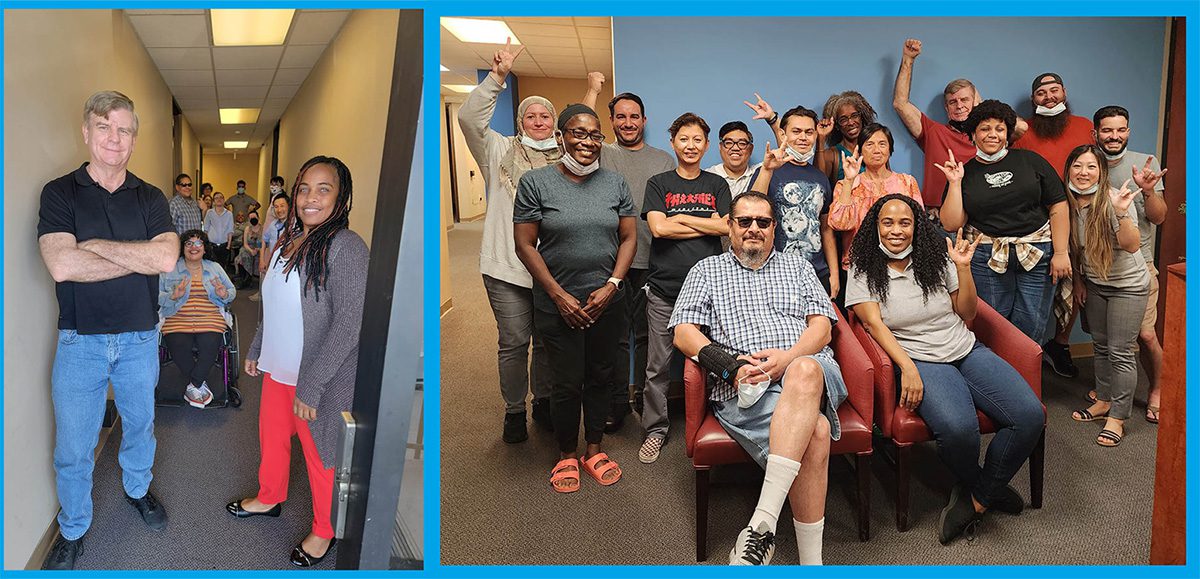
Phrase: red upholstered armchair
(905,428)
(709,445)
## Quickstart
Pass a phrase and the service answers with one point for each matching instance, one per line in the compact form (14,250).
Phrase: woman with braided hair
(306,346)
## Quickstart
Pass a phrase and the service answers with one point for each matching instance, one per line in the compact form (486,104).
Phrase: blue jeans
(952,393)
(1024,297)
(83,367)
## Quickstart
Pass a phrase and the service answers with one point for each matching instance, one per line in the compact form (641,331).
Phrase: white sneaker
(256,296)
(207,395)
(195,397)
(753,546)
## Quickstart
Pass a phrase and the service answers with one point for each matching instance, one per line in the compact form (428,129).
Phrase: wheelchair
(227,364)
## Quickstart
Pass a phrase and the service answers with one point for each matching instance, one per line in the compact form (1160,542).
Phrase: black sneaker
(152,512)
(62,554)
(541,414)
(617,418)
(514,427)
(1009,501)
(1058,356)
(958,516)
(753,546)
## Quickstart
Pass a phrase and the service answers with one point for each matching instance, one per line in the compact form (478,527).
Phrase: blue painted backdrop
(710,65)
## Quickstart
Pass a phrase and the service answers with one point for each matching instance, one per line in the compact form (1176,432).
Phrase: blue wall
(504,119)
(710,65)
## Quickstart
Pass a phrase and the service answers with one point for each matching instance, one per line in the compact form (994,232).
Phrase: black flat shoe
(300,558)
(235,509)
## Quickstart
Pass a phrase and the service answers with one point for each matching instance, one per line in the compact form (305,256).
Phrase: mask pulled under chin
(1089,191)
(577,168)
(802,158)
(1002,153)
(1052,111)
(540,145)
(903,253)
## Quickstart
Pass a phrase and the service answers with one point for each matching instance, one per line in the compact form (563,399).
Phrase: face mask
(241,190)
(993,157)
(748,394)
(253,221)
(802,158)
(1116,157)
(578,169)
(276,189)
(1050,112)
(903,253)
(542,145)
(1089,191)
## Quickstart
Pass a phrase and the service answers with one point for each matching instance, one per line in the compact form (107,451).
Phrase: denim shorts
(751,427)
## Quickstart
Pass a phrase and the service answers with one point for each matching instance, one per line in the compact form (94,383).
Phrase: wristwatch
(620,283)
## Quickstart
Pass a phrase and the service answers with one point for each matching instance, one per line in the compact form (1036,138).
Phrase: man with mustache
(769,325)
(1112,135)
(737,146)
(636,161)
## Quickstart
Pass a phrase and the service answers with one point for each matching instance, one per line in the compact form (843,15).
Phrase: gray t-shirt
(240,203)
(578,227)
(1128,270)
(1117,174)
(637,167)
(928,331)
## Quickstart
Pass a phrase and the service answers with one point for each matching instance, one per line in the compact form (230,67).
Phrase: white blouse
(283,323)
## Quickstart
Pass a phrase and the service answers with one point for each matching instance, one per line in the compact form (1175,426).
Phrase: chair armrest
(1013,346)
(857,370)
(884,377)
(695,401)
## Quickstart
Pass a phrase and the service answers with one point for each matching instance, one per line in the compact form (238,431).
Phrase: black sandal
(1085,416)
(1107,434)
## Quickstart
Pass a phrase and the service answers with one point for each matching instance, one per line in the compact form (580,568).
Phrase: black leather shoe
(1009,501)
(617,418)
(302,559)
(235,509)
(152,512)
(958,517)
(514,428)
(62,554)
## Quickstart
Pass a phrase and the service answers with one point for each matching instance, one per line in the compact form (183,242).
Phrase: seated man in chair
(760,322)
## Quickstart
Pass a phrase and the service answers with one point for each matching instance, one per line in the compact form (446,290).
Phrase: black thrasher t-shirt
(671,259)
(1011,197)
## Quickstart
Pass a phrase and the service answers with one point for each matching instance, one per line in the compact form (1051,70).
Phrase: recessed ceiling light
(237,144)
(480,31)
(250,27)
(239,116)
(460,87)
(444,69)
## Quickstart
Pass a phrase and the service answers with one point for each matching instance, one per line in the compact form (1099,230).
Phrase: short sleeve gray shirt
(929,331)
(637,167)
(1117,175)
(1128,270)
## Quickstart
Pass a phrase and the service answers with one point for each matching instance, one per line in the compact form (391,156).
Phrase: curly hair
(929,253)
(835,102)
(312,253)
(188,236)
(991,109)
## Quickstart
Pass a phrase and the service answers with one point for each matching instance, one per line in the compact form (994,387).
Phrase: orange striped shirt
(197,315)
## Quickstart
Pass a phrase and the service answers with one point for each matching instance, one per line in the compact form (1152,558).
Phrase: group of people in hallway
(597,255)
(130,268)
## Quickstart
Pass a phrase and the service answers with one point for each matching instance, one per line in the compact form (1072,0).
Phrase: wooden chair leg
(862,467)
(1037,472)
(902,459)
(701,514)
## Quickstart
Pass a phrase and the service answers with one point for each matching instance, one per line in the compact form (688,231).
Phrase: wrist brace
(722,364)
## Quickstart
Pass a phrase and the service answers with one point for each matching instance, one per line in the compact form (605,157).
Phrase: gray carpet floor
(205,459)
(498,506)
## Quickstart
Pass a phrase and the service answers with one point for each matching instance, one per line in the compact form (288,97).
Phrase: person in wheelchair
(194,306)
(914,293)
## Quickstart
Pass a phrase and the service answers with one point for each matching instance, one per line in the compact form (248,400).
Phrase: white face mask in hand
(749,394)
(1052,111)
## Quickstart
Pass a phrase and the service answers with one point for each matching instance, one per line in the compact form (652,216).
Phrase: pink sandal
(563,471)
(589,466)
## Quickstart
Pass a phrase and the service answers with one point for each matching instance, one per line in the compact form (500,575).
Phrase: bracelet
(774,117)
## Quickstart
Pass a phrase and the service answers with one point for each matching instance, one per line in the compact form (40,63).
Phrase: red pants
(277,422)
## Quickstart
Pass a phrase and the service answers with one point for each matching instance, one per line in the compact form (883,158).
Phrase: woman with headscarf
(575,229)
(503,160)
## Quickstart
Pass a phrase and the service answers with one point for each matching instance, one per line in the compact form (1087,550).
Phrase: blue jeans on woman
(1025,298)
(985,381)
(83,367)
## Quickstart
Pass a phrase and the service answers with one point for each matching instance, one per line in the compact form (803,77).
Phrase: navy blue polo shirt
(137,211)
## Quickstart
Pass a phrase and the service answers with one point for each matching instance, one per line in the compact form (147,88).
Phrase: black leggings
(180,345)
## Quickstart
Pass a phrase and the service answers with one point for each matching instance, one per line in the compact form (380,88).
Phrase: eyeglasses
(193,243)
(736,145)
(582,134)
(761,222)
(850,117)
(185,184)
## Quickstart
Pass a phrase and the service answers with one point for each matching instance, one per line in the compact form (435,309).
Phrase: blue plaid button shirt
(185,212)
(748,310)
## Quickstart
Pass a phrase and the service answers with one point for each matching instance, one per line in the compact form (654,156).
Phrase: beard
(752,258)
(1050,127)
(1104,147)
(630,143)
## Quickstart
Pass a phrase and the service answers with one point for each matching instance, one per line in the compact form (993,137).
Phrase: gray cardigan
(332,322)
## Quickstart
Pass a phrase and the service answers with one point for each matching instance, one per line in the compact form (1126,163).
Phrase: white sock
(781,473)
(808,541)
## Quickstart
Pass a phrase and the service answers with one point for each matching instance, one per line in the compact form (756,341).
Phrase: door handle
(342,470)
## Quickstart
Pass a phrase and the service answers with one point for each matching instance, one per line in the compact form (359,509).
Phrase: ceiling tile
(188,78)
(316,27)
(246,77)
(525,28)
(590,32)
(246,57)
(600,21)
(242,92)
(195,93)
(591,43)
(291,75)
(171,30)
(564,20)
(191,104)
(555,60)
(283,91)
(235,103)
(181,58)
(144,12)
(549,41)
(301,56)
